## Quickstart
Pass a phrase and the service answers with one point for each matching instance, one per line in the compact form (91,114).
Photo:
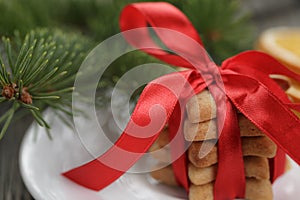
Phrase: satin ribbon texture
(241,83)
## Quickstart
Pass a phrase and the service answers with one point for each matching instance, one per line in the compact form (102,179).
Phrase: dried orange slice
(283,43)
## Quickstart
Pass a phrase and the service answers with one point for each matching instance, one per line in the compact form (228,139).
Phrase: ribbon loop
(266,111)
(166,17)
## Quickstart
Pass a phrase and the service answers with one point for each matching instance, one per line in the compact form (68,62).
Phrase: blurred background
(256,16)
(270,13)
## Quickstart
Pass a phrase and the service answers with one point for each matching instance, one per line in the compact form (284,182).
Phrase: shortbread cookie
(162,154)
(247,128)
(159,150)
(259,146)
(255,190)
(163,138)
(201,107)
(165,175)
(202,176)
(255,167)
(208,129)
(205,157)
(258,189)
(251,146)
(202,192)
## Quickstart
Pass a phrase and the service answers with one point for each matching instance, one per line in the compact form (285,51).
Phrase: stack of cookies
(200,128)
(160,150)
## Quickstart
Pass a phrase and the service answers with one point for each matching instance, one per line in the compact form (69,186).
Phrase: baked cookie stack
(200,128)
(162,153)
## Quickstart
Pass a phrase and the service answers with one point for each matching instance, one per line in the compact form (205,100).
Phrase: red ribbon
(242,82)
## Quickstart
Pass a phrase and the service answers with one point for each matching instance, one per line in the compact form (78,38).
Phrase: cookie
(258,189)
(202,176)
(163,138)
(247,128)
(208,129)
(251,146)
(204,158)
(255,167)
(203,192)
(165,175)
(259,146)
(162,154)
(255,190)
(201,107)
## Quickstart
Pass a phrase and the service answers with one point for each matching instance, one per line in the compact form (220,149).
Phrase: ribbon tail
(277,165)
(261,66)
(266,111)
(148,119)
(178,146)
(294,106)
(230,182)
(258,61)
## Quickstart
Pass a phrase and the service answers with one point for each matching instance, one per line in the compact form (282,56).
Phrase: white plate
(42,161)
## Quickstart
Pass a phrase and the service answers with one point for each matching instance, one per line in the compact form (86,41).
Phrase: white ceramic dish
(43,160)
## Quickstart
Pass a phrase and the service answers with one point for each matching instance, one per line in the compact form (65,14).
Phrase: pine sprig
(40,73)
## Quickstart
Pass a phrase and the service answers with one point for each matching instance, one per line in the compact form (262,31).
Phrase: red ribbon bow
(242,82)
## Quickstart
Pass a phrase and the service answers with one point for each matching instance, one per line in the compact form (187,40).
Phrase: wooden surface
(266,13)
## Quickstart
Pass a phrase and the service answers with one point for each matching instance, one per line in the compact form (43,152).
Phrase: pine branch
(29,73)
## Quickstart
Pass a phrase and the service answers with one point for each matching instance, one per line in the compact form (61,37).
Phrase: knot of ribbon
(212,73)
(242,82)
